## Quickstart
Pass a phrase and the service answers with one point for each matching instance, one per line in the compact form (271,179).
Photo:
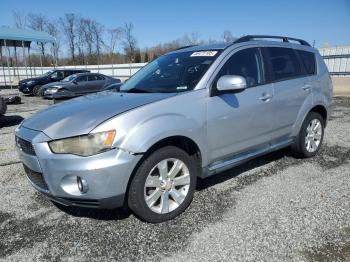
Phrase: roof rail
(284,38)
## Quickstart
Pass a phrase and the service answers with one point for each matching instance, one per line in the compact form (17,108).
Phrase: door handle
(265,97)
(306,87)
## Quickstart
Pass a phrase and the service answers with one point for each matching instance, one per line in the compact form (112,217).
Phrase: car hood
(79,116)
(30,79)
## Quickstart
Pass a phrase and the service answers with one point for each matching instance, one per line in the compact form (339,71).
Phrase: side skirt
(222,165)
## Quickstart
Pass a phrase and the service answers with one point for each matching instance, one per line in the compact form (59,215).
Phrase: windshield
(47,73)
(172,73)
(69,78)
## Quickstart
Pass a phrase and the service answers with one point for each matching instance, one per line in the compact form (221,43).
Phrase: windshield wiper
(135,90)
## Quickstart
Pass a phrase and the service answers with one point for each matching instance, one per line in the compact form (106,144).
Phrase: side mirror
(231,83)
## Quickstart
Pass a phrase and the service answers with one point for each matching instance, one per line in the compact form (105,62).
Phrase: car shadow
(7,121)
(99,214)
(238,170)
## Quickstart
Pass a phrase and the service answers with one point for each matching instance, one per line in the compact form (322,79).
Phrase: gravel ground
(275,208)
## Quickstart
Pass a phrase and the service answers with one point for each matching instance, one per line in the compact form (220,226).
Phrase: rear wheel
(3,106)
(310,137)
(163,185)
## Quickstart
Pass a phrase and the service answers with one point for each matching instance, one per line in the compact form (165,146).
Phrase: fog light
(82,185)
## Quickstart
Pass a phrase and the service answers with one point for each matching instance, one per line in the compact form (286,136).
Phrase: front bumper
(25,89)
(106,174)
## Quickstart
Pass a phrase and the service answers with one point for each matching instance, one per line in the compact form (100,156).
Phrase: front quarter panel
(180,115)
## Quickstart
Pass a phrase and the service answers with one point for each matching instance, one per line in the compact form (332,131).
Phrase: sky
(159,21)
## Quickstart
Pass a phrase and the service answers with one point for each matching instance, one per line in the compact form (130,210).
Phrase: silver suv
(190,113)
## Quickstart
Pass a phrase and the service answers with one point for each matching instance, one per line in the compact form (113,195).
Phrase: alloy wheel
(167,185)
(313,135)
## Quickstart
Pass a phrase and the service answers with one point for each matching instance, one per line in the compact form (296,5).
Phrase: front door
(238,122)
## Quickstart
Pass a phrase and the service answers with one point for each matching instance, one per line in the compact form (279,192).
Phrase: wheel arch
(183,142)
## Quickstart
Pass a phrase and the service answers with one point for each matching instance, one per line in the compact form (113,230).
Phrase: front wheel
(36,90)
(310,137)
(163,185)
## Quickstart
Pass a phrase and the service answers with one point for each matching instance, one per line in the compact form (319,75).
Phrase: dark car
(31,86)
(78,84)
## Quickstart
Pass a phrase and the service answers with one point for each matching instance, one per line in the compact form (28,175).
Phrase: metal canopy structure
(14,37)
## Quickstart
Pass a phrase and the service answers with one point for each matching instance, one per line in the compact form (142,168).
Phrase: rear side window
(67,73)
(309,61)
(284,63)
(246,63)
(82,78)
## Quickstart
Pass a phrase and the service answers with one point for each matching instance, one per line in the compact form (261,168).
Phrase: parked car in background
(31,86)
(115,87)
(77,84)
(193,112)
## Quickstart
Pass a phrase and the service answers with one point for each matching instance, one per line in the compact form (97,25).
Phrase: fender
(152,130)
(139,129)
(314,99)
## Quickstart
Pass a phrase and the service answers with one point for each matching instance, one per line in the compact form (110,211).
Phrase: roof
(216,46)
(16,34)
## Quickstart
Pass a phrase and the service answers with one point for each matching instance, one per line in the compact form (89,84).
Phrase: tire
(163,207)
(301,147)
(36,90)
(3,106)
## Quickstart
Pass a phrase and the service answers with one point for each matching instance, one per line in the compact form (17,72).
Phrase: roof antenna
(313,44)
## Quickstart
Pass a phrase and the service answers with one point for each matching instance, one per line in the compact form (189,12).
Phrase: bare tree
(129,43)
(228,37)
(68,23)
(19,18)
(114,36)
(81,32)
(38,22)
(53,30)
(97,31)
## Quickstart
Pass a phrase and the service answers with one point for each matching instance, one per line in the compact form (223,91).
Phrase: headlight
(86,145)
(52,90)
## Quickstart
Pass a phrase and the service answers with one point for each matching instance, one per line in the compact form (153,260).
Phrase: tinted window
(284,63)
(57,75)
(92,77)
(67,73)
(81,79)
(309,61)
(95,77)
(246,63)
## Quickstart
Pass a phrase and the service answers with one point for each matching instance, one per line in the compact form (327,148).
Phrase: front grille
(25,146)
(36,178)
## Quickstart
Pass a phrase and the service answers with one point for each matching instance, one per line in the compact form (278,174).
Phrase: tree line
(82,40)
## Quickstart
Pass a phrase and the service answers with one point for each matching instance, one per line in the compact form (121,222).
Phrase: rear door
(96,82)
(290,87)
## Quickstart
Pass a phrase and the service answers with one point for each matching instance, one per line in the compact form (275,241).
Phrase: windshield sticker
(204,53)
(181,88)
